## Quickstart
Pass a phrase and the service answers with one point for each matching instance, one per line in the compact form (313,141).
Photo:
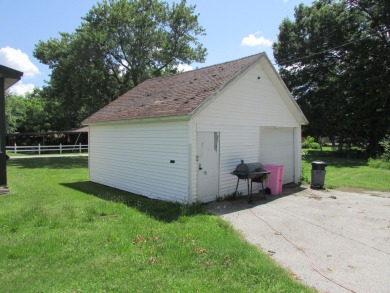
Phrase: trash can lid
(318,163)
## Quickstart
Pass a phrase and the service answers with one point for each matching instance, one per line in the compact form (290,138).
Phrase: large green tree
(119,44)
(335,58)
(27,113)
(15,112)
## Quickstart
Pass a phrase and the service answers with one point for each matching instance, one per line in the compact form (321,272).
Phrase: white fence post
(39,148)
(15,148)
(80,147)
(60,148)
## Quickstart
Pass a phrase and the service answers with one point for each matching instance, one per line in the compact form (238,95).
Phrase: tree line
(27,113)
(334,56)
(119,44)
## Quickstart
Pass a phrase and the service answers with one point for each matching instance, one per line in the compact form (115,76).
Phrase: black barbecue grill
(253,172)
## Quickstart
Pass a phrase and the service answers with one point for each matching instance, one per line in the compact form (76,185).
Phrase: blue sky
(234,29)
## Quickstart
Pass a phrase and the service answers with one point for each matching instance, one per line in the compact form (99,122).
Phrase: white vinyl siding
(249,101)
(238,113)
(276,147)
(137,158)
(237,143)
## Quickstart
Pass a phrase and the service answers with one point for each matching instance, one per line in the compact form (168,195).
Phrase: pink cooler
(275,179)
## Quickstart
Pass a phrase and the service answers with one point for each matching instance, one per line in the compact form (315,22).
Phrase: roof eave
(11,76)
(140,120)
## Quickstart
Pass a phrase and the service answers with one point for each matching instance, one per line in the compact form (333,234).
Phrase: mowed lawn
(347,172)
(61,233)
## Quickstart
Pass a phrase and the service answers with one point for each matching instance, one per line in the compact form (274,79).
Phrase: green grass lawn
(61,233)
(17,154)
(347,172)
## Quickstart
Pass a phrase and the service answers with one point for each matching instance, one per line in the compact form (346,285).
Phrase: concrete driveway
(334,241)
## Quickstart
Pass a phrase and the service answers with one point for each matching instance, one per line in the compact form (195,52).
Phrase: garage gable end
(283,91)
(257,94)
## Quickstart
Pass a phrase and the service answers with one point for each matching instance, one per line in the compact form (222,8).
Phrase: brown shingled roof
(176,95)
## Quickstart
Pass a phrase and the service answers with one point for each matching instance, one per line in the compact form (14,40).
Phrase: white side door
(208,165)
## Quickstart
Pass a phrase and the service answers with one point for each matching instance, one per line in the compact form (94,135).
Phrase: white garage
(178,138)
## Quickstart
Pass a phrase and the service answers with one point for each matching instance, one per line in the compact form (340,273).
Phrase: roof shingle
(176,95)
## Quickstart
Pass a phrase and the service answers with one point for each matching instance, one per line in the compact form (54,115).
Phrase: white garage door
(277,148)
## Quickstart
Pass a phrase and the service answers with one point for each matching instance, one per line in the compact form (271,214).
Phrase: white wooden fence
(44,149)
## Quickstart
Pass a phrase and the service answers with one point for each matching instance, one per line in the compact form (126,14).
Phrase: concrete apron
(333,241)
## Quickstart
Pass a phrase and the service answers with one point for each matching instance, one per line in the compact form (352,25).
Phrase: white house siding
(237,143)
(275,148)
(137,158)
(238,113)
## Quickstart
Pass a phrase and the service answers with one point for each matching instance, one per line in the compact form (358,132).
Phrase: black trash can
(318,174)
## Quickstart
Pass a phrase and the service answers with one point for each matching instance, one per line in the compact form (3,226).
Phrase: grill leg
(262,186)
(238,180)
(250,192)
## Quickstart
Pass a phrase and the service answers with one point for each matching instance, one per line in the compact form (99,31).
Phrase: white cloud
(184,67)
(253,41)
(16,59)
(21,88)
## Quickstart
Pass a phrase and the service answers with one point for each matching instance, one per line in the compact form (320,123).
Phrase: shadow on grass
(159,210)
(337,162)
(50,163)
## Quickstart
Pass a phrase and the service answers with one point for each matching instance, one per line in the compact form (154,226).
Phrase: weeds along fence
(47,149)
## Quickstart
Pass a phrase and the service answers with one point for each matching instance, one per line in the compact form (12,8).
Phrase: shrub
(385,157)
(315,145)
(383,161)
(309,143)
(305,144)
(379,164)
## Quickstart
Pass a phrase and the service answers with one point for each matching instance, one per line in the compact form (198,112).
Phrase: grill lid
(248,171)
(249,167)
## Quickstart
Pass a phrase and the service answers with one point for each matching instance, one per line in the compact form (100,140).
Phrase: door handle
(200,167)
